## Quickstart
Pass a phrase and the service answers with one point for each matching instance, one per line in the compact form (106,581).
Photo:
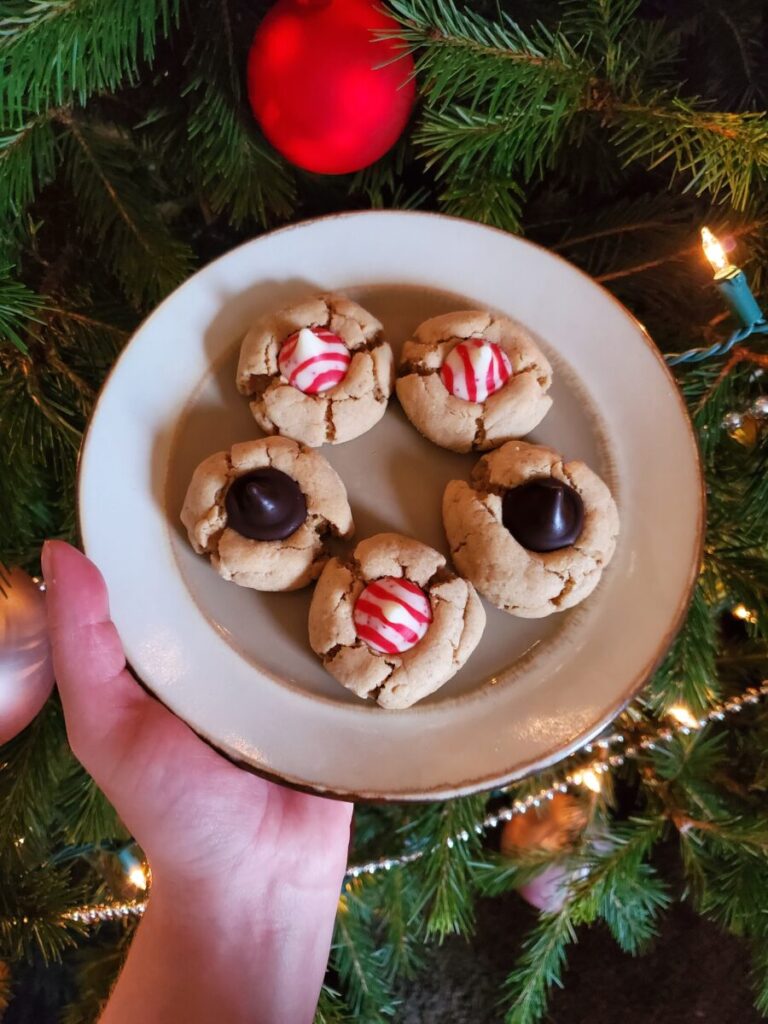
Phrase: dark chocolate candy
(543,515)
(265,505)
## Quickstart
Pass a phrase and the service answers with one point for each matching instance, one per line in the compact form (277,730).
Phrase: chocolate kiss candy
(543,515)
(265,505)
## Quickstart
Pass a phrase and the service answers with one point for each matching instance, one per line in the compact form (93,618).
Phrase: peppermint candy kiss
(392,615)
(314,360)
(475,369)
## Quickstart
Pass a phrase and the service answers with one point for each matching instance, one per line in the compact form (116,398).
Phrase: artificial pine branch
(84,813)
(760,974)
(230,162)
(539,968)
(57,52)
(396,903)
(616,885)
(330,1008)
(620,887)
(507,99)
(119,209)
(494,875)
(722,154)
(445,868)
(359,960)
(31,915)
(18,306)
(688,675)
(28,158)
(32,765)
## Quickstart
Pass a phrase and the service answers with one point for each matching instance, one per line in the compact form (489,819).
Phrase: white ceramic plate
(236,664)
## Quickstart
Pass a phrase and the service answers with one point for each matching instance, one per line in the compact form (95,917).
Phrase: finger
(96,690)
(108,714)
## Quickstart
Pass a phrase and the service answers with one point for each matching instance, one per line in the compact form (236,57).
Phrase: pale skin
(246,874)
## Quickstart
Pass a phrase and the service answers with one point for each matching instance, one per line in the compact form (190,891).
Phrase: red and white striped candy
(314,360)
(475,369)
(392,615)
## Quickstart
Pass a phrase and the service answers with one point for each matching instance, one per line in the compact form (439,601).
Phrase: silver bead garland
(584,776)
(733,421)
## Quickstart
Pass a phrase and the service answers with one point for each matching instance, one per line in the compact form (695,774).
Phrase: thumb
(112,723)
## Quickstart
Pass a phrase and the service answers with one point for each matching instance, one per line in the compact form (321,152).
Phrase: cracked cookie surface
(394,681)
(345,411)
(510,412)
(522,582)
(276,564)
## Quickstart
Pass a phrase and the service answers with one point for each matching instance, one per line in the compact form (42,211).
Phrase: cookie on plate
(262,512)
(318,372)
(393,623)
(532,532)
(473,380)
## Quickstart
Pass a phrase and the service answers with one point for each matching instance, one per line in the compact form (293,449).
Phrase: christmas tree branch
(723,154)
(539,968)
(89,321)
(56,52)
(28,159)
(397,897)
(689,674)
(357,958)
(19,307)
(507,98)
(445,869)
(330,1008)
(119,208)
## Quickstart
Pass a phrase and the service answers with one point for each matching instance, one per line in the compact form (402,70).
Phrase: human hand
(222,844)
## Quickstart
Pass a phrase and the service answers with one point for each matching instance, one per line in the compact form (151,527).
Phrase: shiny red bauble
(327,91)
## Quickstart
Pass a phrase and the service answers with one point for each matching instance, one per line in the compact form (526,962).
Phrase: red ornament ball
(327,91)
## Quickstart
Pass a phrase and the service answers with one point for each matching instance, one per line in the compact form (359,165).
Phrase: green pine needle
(28,159)
(359,959)
(445,869)
(120,209)
(219,144)
(539,968)
(722,154)
(330,1008)
(18,306)
(689,675)
(56,52)
(32,765)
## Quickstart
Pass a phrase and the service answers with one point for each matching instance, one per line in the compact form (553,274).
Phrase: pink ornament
(547,891)
(26,671)
(475,369)
(314,360)
(391,615)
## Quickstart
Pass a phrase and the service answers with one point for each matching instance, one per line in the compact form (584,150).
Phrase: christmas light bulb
(713,250)
(731,282)
(137,876)
(682,715)
(742,612)
(588,777)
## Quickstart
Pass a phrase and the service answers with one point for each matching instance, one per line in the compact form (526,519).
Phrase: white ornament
(26,670)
